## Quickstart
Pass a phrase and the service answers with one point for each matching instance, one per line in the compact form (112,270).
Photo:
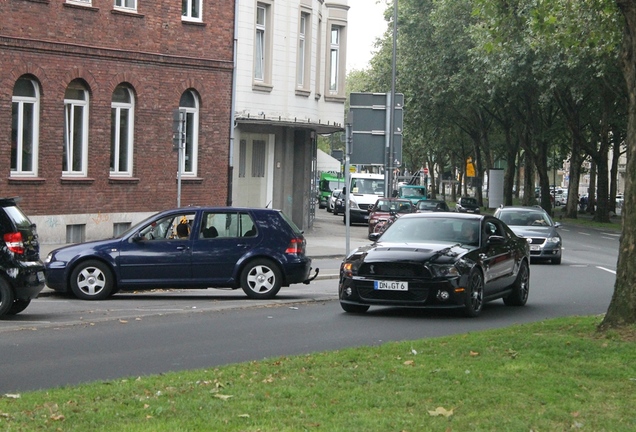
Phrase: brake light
(14,242)
(296,246)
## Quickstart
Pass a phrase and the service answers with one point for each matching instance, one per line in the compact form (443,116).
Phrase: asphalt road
(59,341)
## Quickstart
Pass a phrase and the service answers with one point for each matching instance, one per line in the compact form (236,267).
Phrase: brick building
(88,89)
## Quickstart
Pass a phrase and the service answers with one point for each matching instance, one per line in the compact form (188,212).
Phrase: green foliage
(553,375)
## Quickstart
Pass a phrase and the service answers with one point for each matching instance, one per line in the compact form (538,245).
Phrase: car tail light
(14,242)
(296,246)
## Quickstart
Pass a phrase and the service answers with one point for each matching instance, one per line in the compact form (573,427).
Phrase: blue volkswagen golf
(258,250)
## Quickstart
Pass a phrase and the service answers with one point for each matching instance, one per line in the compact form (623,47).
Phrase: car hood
(533,231)
(67,252)
(413,252)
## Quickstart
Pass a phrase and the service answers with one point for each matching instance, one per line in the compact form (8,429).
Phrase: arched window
(75,161)
(189,104)
(25,126)
(121,132)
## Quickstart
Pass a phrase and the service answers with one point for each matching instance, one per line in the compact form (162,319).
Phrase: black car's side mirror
(374,236)
(495,239)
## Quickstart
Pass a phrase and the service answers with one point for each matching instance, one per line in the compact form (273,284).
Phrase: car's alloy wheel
(351,308)
(520,288)
(475,294)
(6,297)
(261,279)
(92,280)
(18,306)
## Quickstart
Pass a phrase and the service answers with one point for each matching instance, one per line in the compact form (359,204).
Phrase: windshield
(445,230)
(525,218)
(367,186)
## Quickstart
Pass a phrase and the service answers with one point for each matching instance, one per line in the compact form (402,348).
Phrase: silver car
(535,224)
(332,199)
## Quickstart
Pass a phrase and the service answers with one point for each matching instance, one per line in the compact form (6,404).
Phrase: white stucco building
(289,87)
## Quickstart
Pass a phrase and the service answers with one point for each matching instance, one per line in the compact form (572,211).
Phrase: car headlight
(444,270)
(553,240)
(353,204)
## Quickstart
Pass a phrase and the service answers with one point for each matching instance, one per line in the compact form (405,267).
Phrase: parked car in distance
(535,224)
(384,209)
(431,205)
(258,250)
(21,271)
(438,260)
(332,199)
(467,204)
(339,205)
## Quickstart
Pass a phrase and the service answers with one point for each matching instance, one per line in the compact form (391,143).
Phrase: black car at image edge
(258,250)
(438,260)
(22,272)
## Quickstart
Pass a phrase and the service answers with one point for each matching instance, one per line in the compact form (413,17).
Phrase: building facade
(290,87)
(89,88)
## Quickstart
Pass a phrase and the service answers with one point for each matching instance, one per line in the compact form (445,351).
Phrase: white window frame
(116,110)
(334,58)
(260,42)
(81,2)
(70,105)
(187,14)
(21,101)
(263,38)
(191,147)
(126,5)
(304,24)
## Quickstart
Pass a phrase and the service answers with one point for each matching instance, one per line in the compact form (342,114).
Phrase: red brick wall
(159,57)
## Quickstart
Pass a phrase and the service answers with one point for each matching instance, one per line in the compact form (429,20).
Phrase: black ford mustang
(438,260)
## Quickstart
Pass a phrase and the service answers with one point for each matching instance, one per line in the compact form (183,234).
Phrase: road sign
(370,127)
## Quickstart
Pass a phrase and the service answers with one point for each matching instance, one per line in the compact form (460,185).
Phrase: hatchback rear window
(293,226)
(19,219)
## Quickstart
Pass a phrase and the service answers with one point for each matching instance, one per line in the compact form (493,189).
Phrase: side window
(75,152)
(169,228)
(493,228)
(121,132)
(25,127)
(127,5)
(191,10)
(263,46)
(189,104)
(227,225)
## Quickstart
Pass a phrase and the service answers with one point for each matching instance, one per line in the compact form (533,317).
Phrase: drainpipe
(230,167)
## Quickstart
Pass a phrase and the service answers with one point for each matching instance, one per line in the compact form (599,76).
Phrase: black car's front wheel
(261,279)
(92,280)
(520,288)
(475,294)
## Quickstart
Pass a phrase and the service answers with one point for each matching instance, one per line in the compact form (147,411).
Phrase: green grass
(557,375)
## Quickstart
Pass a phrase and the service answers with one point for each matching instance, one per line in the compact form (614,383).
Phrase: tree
(622,308)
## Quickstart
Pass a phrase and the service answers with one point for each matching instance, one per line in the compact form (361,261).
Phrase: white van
(364,190)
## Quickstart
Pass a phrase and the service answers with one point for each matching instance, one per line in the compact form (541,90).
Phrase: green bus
(329,181)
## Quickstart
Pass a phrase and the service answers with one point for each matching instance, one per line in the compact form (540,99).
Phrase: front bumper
(437,293)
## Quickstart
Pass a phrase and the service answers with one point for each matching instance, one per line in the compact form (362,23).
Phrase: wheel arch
(247,260)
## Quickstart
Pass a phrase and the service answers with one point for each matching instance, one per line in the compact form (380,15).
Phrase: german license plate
(40,276)
(391,285)
(535,248)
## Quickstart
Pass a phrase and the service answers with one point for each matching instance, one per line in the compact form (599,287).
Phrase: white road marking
(607,270)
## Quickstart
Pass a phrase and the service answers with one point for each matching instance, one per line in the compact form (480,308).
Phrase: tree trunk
(622,308)
(591,201)
(576,160)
